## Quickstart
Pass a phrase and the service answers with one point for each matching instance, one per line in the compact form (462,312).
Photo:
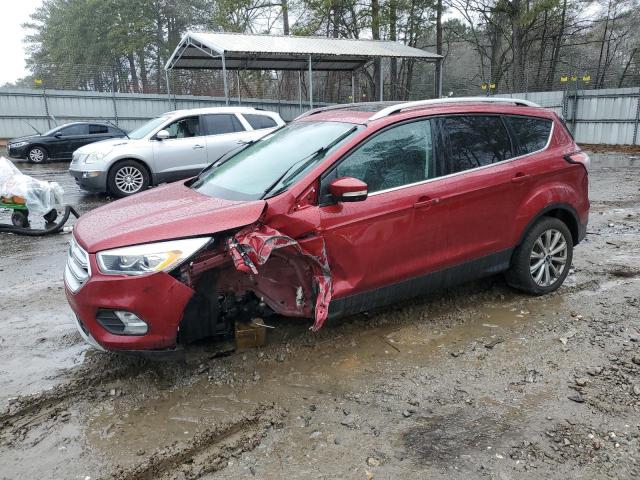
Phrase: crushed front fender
(252,247)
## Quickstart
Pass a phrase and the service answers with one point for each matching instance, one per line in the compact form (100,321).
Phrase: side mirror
(57,135)
(348,189)
(162,135)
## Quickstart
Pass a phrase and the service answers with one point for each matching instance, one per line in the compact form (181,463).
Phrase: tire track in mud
(33,409)
(209,451)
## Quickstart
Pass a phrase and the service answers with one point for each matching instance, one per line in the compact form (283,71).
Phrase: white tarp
(40,197)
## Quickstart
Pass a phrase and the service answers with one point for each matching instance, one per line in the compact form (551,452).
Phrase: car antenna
(34,128)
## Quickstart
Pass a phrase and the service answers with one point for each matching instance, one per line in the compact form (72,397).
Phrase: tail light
(579,157)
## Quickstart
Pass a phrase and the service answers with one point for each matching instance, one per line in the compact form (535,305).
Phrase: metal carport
(233,51)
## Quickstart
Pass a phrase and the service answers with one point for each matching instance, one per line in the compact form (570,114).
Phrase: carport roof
(206,50)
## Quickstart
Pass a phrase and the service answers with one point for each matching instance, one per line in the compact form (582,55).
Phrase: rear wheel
(37,155)
(127,178)
(541,262)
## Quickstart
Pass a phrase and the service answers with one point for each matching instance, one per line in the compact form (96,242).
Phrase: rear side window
(473,141)
(531,134)
(398,156)
(98,129)
(80,129)
(219,123)
(259,121)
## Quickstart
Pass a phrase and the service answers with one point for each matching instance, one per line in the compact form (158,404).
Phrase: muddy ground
(478,381)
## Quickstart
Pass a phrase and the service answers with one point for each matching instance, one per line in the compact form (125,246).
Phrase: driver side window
(398,156)
(184,128)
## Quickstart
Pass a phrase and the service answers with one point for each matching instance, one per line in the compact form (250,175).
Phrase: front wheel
(37,155)
(541,262)
(127,178)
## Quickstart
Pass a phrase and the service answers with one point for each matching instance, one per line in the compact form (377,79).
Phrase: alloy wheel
(129,179)
(36,155)
(548,257)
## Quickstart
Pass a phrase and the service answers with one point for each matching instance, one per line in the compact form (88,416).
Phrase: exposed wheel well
(568,219)
(562,212)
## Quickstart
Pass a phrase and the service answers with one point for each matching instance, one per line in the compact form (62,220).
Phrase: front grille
(77,270)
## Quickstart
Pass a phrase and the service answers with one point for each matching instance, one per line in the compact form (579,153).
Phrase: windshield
(275,162)
(49,133)
(147,128)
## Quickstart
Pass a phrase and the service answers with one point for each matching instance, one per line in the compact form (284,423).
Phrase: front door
(397,232)
(181,155)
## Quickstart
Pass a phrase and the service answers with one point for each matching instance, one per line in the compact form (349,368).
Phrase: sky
(14,14)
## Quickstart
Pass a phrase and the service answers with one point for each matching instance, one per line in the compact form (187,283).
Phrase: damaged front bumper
(291,277)
(158,299)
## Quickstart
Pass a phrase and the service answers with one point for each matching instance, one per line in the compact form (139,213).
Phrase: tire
(37,155)
(533,270)
(20,218)
(127,178)
(51,216)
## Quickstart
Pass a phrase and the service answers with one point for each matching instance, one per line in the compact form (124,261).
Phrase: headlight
(18,144)
(149,258)
(94,157)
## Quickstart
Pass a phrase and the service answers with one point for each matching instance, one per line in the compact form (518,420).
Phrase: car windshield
(272,164)
(50,133)
(147,128)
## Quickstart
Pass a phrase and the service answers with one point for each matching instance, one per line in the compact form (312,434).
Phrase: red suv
(346,208)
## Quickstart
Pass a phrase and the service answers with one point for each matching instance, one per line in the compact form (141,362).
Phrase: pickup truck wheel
(127,178)
(37,155)
(541,262)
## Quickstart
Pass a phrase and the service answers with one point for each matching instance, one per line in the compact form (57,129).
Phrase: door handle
(520,177)
(426,202)
(198,146)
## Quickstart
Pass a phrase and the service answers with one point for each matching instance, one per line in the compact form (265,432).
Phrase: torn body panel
(257,270)
(284,282)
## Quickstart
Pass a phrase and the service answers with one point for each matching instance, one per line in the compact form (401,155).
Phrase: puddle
(311,375)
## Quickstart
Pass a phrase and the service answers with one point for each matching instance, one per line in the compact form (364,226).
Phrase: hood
(105,146)
(26,138)
(163,213)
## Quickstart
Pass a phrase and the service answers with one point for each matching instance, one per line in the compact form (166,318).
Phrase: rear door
(97,132)
(224,132)
(476,188)
(183,154)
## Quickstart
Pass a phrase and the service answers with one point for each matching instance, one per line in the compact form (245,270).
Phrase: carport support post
(238,75)
(381,83)
(300,91)
(166,79)
(224,81)
(310,84)
(439,86)
(353,87)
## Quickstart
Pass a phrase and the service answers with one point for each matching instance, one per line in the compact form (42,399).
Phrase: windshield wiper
(307,160)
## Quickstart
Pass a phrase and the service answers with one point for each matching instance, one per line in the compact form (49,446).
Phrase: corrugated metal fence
(46,109)
(609,116)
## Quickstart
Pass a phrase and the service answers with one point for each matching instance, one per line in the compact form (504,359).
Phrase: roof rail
(339,106)
(385,112)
